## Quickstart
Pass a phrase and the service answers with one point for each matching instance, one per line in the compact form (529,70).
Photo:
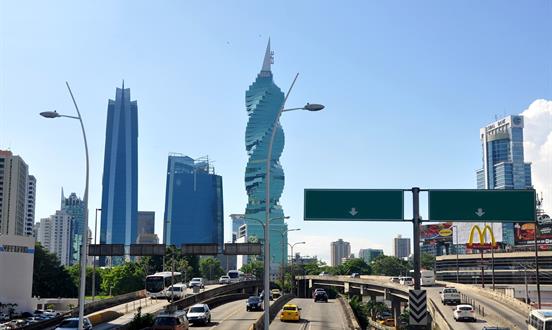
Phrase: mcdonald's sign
(482,245)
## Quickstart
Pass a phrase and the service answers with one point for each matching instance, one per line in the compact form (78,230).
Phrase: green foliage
(210,268)
(140,321)
(151,265)
(390,266)
(427,261)
(254,267)
(187,265)
(122,279)
(356,265)
(74,272)
(315,267)
(360,310)
(50,279)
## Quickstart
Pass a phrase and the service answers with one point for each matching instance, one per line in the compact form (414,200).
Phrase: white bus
(158,283)
(540,319)
(235,276)
(427,277)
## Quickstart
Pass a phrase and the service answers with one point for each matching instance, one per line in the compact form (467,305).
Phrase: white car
(199,313)
(73,324)
(406,280)
(450,296)
(197,281)
(464,312)
(177,291)
(224,279)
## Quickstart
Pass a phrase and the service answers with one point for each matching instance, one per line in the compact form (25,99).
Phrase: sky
(406,85)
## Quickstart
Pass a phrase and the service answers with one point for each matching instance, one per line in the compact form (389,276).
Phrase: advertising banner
(525,231)
(474,233)
(436,232)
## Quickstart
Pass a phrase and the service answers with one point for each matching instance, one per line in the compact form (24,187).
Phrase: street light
(456,248)
(54,114)
(293,268)
(283,233)
(308,107)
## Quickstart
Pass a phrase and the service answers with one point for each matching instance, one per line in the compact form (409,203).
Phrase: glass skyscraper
(120,171)
(263,100)
(193,203)
(74,207)
(503,163)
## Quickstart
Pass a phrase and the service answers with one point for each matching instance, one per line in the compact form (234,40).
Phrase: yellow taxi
(290,312)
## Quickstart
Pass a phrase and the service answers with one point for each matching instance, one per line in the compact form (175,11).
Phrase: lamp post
(94,257)
(456,249)
(54,114)
(283,233)
(293,268)
(309,107)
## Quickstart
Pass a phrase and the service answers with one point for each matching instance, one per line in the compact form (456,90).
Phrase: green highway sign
(354,204)
(482,205)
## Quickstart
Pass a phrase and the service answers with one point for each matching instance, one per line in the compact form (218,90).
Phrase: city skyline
(395,101)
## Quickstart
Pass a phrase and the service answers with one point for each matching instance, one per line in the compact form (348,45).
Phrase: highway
(315,316)
(233,316)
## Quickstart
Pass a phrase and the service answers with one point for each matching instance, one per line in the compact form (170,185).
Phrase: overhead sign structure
(417,304)
(106,250)
(147,249)
(200,249)
(354,205)
(482,205)
(242,249)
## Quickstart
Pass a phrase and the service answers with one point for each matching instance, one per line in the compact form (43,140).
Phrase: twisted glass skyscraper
(263,100)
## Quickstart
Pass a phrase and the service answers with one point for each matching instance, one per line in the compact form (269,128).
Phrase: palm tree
(375,308)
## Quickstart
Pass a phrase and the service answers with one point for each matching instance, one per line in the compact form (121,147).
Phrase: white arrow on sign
(353,211)
(480,212)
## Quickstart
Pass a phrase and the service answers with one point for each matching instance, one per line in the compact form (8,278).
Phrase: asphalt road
(232,316)
(315,316)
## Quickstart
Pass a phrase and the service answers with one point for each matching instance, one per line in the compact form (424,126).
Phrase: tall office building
(401,247)
(74,206)
(146,228)
(339,250)
(369,254)
(504,166)
(120,172)
(30,205)
(193,203)
(263,101)
(14,195)
(54,233)
(238,220)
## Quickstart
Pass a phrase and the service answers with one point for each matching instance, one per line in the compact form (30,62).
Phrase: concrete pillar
(396,307)
(346,287)
(361,290)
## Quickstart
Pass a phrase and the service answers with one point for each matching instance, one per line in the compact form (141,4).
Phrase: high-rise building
(339,250)
(120,172)
(146,224)
(30,205)
(54,233)
(263,101)
(14,192)
(401,247)
(504,166)
(74,206)
(369,254)
(193,203)
(238,220)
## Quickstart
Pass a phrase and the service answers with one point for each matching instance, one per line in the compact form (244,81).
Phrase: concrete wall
(16,271)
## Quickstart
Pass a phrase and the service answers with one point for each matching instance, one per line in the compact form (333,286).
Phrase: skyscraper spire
(268,58)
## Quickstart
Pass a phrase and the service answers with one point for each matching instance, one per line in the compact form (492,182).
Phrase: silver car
(72,323)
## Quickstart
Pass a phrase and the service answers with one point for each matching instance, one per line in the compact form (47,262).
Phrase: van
(171,321)
(176,292)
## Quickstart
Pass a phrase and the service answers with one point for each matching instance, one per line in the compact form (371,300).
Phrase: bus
(427,277)
(235,276)
(158,283)
(540,319)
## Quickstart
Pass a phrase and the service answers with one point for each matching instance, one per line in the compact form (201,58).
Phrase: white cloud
(538,147)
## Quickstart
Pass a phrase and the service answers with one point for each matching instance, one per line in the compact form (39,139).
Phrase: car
(52,312)
(171,320)
(450,296)
(320,295)
(276,293)
(254,303)
(316,290)
(199,313)
(197,281)
(406,280)
(290,312)
(384,315)
(224,279)
(390,322)
(72,323)
(495,328)
(176,292)
(355,275)
(269,297)
(464,312)
(324,274)
(394,279)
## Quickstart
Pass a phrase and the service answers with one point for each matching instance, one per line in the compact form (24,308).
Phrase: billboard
(440,232)
(524,232)
(467,232)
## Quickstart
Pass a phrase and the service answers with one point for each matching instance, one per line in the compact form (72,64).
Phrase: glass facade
(263,100)
(74,206)
(193,203)
(120,172)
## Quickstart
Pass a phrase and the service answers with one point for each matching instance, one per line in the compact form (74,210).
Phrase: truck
(450,296)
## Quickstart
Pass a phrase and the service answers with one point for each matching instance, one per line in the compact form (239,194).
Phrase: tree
(50,279)
(187,265)
(389,266)
(314,268)
(125,278)
(427,260)
(210,268)
(356,265)
(254,267)
(74,273)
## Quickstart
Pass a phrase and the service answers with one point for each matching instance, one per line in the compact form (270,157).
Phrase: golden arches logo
(482,238)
